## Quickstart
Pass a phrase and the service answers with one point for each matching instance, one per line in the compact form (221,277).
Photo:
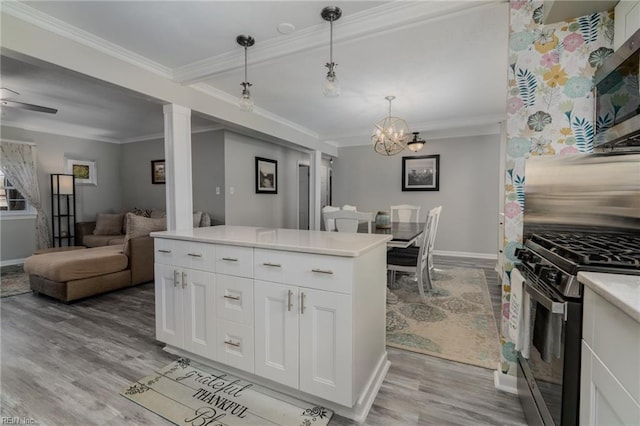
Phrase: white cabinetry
(185,308)
(303,314)
(626,21)
(610,371)
(303,339)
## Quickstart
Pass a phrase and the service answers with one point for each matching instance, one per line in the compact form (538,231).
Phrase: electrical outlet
(217,190)
(232,190)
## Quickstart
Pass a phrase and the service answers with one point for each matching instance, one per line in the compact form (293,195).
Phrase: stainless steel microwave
(617,94)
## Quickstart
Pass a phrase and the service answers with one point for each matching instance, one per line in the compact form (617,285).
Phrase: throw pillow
(197,216)
(139,226)
(108,224)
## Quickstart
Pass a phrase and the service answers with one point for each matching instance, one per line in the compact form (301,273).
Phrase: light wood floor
(66,364)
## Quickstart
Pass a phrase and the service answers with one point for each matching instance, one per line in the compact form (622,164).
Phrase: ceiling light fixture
(331,86)
(245,103)
(391,134)
(415,144)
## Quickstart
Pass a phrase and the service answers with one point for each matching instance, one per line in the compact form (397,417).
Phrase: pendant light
(391,134)
(331,85)
(415,144)
(245,103)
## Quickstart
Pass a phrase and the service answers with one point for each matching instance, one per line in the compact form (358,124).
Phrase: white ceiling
(445,61)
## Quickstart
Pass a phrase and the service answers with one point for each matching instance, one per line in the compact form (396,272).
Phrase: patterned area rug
(186,394)
(454,322)
(13,281)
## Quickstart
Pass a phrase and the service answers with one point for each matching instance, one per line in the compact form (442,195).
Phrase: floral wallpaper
(550,109)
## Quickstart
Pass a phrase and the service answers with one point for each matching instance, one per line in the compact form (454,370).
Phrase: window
(11,200)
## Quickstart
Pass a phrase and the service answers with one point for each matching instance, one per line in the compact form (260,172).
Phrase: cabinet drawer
(234,299)
(232,260)
(331,273)
(235,345)
(185,254)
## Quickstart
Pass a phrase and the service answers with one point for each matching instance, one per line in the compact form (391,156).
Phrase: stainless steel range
(582,213)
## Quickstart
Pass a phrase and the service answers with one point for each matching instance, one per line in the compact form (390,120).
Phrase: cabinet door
(603,399)
(199,312)
(169,305)
(326,349)
(276,332)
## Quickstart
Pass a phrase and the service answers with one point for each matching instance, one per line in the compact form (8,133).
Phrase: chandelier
(331,86)
(245,103)
(415,144)
(391,134)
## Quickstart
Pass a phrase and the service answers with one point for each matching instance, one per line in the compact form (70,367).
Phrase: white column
(314,213)
(177,153)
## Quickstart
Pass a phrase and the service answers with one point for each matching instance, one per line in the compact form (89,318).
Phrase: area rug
(189,394)
(13,281)
(454,321)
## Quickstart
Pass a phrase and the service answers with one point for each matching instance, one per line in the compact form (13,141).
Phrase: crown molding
(60,132)
(56,26)
(161,135)
(233,101)
(387,18)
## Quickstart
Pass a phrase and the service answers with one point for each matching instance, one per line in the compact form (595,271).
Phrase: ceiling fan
(5,102)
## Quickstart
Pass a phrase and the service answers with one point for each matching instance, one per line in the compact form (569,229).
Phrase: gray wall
(207,167)
(51,150)
(245,207)
(469,176)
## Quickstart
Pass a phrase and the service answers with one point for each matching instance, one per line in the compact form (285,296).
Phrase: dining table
(403,234)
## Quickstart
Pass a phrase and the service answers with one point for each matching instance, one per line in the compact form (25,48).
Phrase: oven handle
(557,308)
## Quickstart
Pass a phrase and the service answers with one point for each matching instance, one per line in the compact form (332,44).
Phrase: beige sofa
(73,275)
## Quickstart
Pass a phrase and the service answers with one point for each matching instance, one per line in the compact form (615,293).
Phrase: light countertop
(623,291)
(319,242)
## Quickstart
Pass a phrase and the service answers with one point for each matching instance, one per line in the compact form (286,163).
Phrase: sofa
(69,275)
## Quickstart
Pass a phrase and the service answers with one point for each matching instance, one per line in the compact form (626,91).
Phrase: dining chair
(413,261)
(348,220)
(405,213)
(329,224)
(432,237)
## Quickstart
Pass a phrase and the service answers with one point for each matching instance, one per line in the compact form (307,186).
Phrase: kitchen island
(301,313)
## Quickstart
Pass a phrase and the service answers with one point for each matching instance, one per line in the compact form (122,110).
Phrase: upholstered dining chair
(329,224)
(417,260)
(347,220)
(405,213)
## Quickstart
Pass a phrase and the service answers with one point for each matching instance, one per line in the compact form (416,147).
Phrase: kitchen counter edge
(623,291)
(242,236)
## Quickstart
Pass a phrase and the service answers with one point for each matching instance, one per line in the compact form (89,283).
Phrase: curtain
(18,163)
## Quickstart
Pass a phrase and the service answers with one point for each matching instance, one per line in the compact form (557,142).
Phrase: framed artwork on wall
(85,171)
(158,172)
(421,173)
(266,176)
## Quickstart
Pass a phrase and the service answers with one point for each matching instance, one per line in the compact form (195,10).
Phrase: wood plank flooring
(66,364)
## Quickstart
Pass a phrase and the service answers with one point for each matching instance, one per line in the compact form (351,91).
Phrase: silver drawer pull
(231,297)
(301,302)
(195,254)
(230,259)
(164,251)
(322,271)
(275,265)
(232,343)
(289,303)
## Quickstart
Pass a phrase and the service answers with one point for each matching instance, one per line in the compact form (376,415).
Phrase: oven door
(552,371)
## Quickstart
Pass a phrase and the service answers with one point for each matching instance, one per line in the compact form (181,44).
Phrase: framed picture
(157,172)
(85,171)
(266,176)
(421,173)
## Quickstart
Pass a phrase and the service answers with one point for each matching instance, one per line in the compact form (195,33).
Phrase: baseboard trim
(491,256)
(505,382)
(11,262)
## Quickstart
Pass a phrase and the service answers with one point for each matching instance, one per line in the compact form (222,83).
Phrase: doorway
(303,196)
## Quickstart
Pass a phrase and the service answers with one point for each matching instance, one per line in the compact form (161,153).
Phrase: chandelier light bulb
(390,135)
